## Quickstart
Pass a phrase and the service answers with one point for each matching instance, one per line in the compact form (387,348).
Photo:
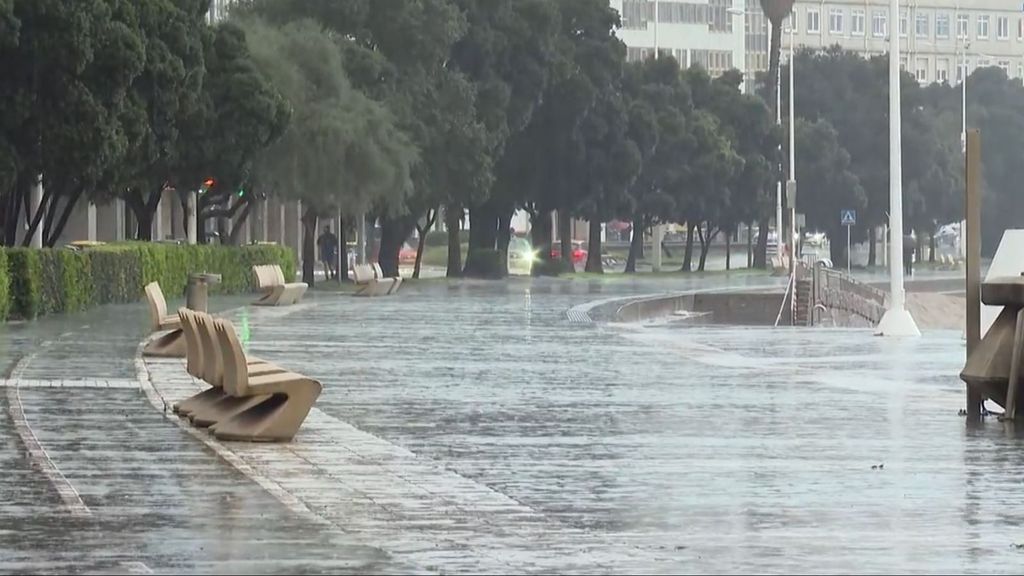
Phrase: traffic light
(207,185)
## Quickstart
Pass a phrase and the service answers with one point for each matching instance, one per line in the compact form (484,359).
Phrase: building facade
(939,38)
(705,32)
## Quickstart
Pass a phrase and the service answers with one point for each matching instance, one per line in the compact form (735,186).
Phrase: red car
(579,255)
(407,255)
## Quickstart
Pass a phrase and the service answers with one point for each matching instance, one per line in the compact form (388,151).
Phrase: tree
(508,52)
(341,149)
(238,115)
(827,183)
(161,99)
(66,76)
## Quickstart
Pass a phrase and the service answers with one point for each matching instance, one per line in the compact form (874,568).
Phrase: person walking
(909,249)
(328,244)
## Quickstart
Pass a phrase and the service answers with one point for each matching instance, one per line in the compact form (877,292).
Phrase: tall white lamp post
(897,320)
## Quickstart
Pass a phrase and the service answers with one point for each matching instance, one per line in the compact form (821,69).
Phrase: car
(521,256)
(407,255)
(579,254)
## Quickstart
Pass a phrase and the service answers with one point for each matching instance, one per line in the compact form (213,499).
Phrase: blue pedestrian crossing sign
(848,217)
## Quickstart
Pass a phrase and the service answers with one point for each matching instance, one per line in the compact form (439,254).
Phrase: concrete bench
(369,283)
(171,344)
(275,290)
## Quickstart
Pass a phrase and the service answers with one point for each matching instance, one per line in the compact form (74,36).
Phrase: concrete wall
(742,308)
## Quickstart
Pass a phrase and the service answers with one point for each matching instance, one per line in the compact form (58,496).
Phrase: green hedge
(51,281)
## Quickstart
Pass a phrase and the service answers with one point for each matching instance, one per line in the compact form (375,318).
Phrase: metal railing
(835,290)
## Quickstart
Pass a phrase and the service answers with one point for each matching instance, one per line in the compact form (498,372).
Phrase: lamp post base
(898,323)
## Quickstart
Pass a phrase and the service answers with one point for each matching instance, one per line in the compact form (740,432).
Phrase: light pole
(791,184)
(897,320)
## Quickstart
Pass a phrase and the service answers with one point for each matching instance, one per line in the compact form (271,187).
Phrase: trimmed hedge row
(48,281)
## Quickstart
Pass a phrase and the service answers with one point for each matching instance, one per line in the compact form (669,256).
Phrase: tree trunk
(837,250)
(594,263)
(688,253)
(931,247)
(636,243)
(728,251)
(37,218)
(55,229)
(343,253)
(309,220)
(761,254)
(541,239)
(705,245)
(453,220)
(421,232)
(238,225)
(750,245)
(483,241)
(872,256)
(774,55)
(393,232)
(565,240)
(504,238)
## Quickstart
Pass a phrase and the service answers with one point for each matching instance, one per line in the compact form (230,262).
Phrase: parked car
(521,256)
(579,255)
(407,255)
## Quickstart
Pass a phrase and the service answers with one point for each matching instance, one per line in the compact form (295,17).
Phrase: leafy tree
(341,149)
(66,76)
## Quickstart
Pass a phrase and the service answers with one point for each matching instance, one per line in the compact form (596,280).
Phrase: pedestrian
(909,249)
(328,244)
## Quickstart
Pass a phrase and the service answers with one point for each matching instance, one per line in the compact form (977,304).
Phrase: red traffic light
(209,183)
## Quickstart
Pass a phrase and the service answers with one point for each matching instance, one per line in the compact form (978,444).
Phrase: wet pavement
(479,427)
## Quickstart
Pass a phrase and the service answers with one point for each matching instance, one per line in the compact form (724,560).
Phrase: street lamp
(897,320)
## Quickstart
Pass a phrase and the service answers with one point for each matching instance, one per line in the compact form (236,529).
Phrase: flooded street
(482,427)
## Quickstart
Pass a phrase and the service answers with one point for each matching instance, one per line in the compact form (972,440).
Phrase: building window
(1020,70)
(719,19)
(942,70)
(983,26)
(984,63)
(790,23)
(835,21)
(904,24)
(942,25)
(961,71)
(1020,28)
(878,23)
(1003,28)
(921,25)
(921,71)
(1005,66)
(636,14)
(857,22)
(963,22)
(813,21)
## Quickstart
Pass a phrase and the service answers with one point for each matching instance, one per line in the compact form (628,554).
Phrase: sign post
(848,219)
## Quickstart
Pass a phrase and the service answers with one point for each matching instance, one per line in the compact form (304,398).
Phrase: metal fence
(835,290)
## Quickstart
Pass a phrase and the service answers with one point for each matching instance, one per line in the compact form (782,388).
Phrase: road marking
(40,459)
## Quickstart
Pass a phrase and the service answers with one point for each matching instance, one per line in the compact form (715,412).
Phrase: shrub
(26,275)
(36,282)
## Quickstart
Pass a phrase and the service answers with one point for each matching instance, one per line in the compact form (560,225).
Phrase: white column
(897,321)
(265,211)
(191,218)
(656,237)
(119,221)
(36,204)
(281,233)
(362,238)
(90,216)
(298,230)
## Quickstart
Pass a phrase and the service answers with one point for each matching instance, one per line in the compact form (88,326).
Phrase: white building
(937,36)
(218,10)
(705,32)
